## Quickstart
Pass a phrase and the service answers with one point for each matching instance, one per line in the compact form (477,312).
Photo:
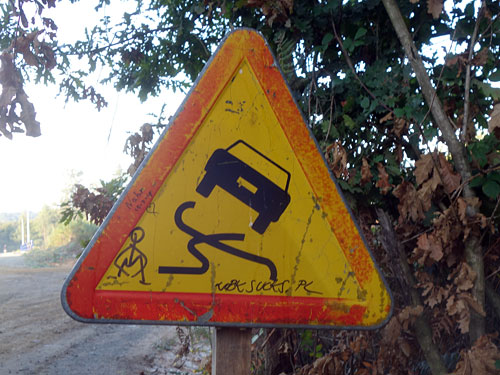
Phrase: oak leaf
(423,168)
(383,180)
(463,277)
(494,123)
(409,206)
(400,126)
(336,157)
(480,359)
(22,45)
(430,246)
(473,303)
(481,58)
(366,174)
(459,308)
(450,179)
(435,7)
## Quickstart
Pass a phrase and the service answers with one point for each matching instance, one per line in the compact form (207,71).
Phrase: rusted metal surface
(234,219)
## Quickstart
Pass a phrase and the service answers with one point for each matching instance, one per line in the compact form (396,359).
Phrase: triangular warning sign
(233,219)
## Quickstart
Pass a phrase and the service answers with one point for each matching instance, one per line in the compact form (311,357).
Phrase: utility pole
(22,230)
(28,229)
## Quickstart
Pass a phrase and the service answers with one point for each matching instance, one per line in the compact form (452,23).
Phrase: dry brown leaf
(409,206)
(383,179)
(423,168)
(392,331)
(9,79)
(494,123)
(462,209)
(408,315)
(337,159)
(435,294)
(480,359)
(459,307)
(435,7)
(366,174)
(22,45)
(424,194)
(472,302)
(387,117)
(28,115)
(404,346)
(481,58)
(450,179)
(400,126)
(463,277)
(431,247)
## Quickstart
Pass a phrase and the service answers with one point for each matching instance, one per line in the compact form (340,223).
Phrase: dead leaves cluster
(12,98)
(274,10)
(349,349)
(336,156)
(483,358)
(138,146)
(432,171)
(454,297)
(15,108)
(95,204)
(494,123)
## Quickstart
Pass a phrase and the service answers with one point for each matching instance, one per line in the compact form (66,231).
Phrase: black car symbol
(246,184)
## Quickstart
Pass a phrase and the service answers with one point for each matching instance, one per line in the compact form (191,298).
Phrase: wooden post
(232,351)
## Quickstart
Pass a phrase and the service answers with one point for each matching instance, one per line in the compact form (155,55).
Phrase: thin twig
(351,66)
(490,219)
(467,74)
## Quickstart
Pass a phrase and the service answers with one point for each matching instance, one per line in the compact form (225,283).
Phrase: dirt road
(37,337)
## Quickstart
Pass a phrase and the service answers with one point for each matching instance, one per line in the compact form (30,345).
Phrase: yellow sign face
(239,230)
(211,198)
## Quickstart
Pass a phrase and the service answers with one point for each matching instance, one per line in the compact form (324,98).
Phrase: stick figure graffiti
(251,188)
(131,261)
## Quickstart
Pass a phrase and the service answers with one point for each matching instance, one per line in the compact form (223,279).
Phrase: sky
(75,136)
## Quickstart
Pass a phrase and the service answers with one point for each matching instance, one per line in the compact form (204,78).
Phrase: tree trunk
(473,250)
(422,328)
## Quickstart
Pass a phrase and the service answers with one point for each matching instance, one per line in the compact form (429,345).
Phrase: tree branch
(467,77)
(473,250)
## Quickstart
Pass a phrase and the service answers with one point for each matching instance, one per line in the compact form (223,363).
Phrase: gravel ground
(37,337)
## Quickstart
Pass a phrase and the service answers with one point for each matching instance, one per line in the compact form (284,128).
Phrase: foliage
(381,139)
(10,236)
(56,243)
(93,204)
(53,256)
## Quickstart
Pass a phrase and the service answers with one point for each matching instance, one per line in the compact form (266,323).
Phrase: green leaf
(497,364)
(365,102)
(399,112)
(488,90)
(478,181)
(491,189)
(327,39)
(349,44)
(495,176)
(360,33)
(349,122)
(479,151)
(495,76)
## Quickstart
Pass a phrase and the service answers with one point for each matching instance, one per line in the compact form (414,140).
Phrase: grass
(53,256)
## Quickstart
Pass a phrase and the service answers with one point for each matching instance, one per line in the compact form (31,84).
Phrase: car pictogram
(239,179)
